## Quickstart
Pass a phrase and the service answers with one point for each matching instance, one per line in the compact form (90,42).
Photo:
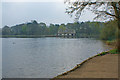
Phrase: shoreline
(40,36)
(79,65)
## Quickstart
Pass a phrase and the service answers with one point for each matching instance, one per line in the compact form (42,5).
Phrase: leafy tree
(83,29)
(109,10)
(42,28)
(6,30)
(0,31)
(24,30)
(53,29)
(108,31)
(62,27)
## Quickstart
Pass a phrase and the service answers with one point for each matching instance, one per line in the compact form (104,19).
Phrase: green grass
(111,42)
(103,53)
(114,51)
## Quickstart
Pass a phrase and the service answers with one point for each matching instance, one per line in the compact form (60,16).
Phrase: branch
(110,14)
(107,13)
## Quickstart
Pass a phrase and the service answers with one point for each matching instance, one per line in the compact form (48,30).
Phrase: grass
(103,53)
(114,51)
(111,42)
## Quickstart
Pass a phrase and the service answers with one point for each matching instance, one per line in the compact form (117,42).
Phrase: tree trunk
(118,14)
(118,37)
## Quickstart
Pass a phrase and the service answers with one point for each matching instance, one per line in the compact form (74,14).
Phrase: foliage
(103,53)
(111,42)
(62,27)
(109,31)
(6,30)
(84,29)
(102,10)
(114,51)
(33,28)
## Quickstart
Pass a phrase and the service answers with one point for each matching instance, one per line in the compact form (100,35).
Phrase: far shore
(26,36)
(40,36)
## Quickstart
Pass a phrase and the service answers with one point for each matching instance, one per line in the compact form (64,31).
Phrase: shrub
(103,53)
(114,51)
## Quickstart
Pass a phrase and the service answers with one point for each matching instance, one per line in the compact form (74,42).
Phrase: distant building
(67,32)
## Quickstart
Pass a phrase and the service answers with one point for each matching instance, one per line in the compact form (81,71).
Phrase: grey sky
(49,12)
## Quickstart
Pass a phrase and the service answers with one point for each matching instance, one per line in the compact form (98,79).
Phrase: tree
(108,31)
(53,29)
(0,31)
(6,30)
(62,27)
(42,28)
(103,10)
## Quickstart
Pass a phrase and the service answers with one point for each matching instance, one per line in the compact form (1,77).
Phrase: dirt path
(98,67)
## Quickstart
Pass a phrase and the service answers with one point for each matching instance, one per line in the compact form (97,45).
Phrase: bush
(103,53)
(114,51)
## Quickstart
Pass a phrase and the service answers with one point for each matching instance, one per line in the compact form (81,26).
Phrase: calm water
(45,57)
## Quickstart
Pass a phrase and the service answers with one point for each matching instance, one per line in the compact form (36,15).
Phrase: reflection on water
(45,57)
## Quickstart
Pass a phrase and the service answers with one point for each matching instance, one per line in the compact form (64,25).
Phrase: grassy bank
(111,42)
(113,51)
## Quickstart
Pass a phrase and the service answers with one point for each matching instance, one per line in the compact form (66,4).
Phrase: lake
(45,57)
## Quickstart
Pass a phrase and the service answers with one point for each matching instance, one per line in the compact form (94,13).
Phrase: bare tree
(104,10)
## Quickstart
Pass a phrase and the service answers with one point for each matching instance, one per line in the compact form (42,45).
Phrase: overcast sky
(47,11)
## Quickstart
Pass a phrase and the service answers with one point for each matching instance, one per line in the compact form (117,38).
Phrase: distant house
(66,32)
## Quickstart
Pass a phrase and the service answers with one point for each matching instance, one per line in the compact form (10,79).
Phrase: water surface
(45,57)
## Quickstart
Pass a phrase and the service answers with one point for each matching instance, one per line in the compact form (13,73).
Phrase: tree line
(102,30)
